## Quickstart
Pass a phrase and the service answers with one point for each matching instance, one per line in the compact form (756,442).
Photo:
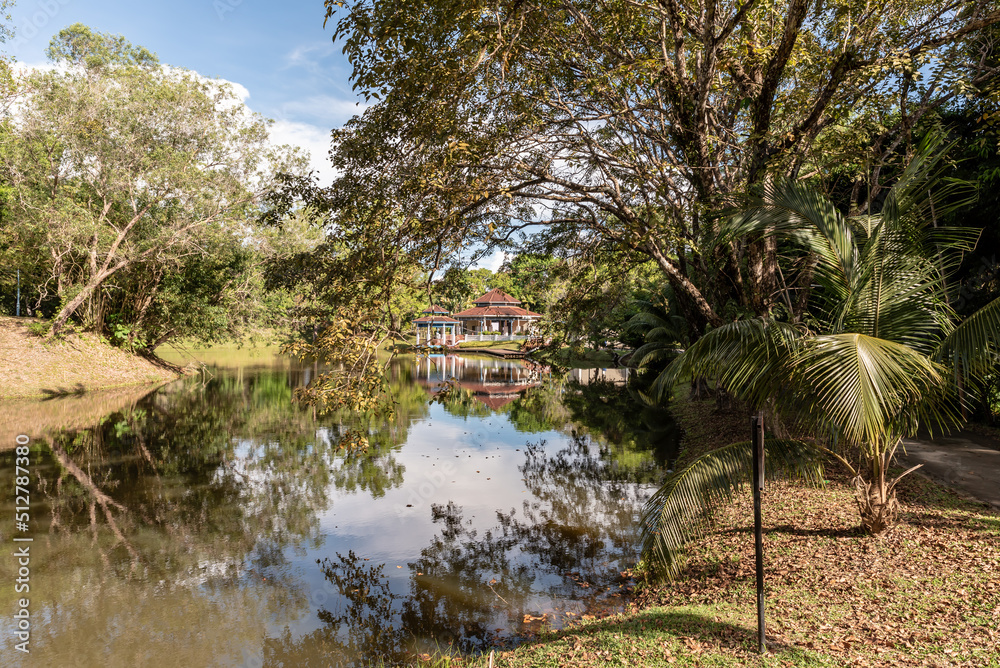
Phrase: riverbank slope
(31,366)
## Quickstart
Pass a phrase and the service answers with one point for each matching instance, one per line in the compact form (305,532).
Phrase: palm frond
(653,352)
(859,384)
(745,356)
(947,246)
(923,192)
(644,319)
(806,216)
(973,347)
(680,511)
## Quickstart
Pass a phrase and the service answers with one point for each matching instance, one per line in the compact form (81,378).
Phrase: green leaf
(681,510)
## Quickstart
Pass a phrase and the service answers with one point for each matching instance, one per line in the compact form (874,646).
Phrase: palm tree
(882,353)
(661,328)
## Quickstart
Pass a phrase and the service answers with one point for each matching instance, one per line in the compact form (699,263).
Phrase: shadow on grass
(792,530)
(77,390)
(852,532)
(659,632)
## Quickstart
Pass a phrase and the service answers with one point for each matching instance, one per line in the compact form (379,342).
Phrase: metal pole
(758,487)
(18,293)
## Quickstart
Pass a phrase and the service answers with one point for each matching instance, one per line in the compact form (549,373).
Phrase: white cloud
(326,109)
(493,262)
(308,56)
(314,139)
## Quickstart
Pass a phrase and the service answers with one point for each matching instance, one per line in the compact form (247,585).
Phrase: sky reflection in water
(215,522)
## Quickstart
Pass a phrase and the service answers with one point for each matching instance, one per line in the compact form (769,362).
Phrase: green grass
(695,635)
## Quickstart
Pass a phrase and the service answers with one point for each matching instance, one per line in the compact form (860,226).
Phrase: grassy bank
(576,358)
(31,366)
(489,345)
(926,593)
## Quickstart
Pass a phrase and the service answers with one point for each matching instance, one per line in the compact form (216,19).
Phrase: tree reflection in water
(215,488)
(356,631)
(470,589)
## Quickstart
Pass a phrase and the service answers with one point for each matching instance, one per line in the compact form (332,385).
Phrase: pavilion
(436,325)
(497,311)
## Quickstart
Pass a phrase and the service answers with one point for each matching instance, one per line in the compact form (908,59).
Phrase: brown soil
(31,366)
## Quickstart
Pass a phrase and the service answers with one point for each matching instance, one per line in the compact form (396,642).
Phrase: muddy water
(214,521)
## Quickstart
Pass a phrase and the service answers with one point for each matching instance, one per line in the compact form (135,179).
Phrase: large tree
(627,122)
(116,161)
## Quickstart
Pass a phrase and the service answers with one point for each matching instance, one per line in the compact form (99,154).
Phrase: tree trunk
(763,256)
(147,301)
(150,349)
(699,389)
(877,503)
(95,282)
(682,284)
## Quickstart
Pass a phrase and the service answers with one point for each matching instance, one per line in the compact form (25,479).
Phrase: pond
(214,521)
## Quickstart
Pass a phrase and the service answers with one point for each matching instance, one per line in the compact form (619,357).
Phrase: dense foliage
(130,194)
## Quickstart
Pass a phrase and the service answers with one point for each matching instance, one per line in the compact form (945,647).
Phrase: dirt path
(966,462)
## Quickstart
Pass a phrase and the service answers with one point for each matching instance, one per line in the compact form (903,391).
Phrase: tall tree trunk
(144,307)
(763,256)
(682,284)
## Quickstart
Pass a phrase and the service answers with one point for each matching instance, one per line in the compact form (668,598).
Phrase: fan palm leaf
(862,387)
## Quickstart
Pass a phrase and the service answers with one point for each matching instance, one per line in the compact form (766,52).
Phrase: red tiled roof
(443,319)
(496,311)
(496,296)
(496,403)
(434,308)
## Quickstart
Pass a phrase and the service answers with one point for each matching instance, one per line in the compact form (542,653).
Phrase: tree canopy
(628,124)
(121,167)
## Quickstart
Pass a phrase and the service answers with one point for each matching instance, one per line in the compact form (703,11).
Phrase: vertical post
(18,293)
(757,439)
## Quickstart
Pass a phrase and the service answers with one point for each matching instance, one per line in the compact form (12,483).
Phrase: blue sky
(279,53)
(286,62)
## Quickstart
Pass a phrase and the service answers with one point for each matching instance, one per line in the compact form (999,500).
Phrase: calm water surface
(216,522)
